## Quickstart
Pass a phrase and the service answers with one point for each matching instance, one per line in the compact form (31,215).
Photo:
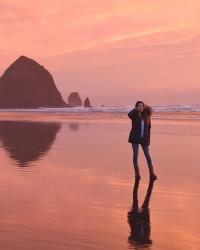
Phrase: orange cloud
(154,44)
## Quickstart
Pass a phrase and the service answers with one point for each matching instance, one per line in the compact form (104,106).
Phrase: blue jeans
(145,148)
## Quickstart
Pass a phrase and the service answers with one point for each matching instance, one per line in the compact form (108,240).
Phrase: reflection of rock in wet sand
(27,141)
(139,219)
(73,126)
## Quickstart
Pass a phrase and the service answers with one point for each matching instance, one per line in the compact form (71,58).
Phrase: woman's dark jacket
(134,135)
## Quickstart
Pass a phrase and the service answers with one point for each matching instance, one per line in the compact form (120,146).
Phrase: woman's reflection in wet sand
(139,219)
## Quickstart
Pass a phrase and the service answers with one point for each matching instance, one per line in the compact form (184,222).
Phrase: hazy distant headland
(27,84)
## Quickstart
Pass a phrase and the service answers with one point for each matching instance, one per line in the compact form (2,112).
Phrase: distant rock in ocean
(27,84)
(87,103)
(74,99)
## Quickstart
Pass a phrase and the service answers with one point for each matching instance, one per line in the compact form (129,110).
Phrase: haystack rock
(27,84)
(87,103)
(74,99)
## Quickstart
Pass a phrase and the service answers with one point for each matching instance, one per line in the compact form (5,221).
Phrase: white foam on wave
(106,108)
(159,110)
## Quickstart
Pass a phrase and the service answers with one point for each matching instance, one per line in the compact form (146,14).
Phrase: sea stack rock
(27,84)
(87,103)
(74,99)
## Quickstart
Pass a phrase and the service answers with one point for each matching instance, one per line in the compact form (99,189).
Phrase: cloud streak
(80,36)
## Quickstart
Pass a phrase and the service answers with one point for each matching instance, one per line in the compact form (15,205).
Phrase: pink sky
(113,51)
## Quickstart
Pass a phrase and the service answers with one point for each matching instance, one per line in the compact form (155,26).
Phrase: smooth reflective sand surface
(68,184)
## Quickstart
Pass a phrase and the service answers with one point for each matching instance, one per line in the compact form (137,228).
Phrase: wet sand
(66,182)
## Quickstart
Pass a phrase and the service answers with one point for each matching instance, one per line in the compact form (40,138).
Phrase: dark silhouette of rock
(26,141)
(27,84)
(74,99)
(87,103)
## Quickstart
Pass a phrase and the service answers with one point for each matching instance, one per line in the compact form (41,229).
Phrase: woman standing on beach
(140,134)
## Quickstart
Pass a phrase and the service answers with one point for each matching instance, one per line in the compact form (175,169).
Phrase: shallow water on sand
(68,184)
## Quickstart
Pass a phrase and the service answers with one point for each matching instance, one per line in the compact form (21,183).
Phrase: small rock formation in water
(87,103)
(27,84)
(74,99)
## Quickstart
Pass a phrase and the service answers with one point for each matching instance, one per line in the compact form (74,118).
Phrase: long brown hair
(147,112)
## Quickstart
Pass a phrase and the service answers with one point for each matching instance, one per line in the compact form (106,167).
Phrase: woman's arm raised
(131,114)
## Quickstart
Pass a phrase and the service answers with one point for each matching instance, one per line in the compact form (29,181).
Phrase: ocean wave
(106,108)
(182,111)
